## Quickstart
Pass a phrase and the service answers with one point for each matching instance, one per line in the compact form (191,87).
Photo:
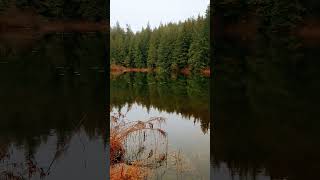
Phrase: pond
(184,104)
(53,121)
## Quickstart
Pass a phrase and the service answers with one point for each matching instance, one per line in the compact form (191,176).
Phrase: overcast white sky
(137,13)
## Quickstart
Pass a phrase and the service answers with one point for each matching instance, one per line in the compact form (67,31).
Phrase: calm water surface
(183,102)
(266,109)
(53,106)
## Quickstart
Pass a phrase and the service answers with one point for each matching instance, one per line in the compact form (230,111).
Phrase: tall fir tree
(169,47)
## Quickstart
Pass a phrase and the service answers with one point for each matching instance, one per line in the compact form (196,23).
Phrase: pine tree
(169,47)
(137,54)
(152,52)
(182,45)
(199,49)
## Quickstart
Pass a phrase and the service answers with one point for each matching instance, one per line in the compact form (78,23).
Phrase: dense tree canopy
(269,15)
(94,10)
(168,47)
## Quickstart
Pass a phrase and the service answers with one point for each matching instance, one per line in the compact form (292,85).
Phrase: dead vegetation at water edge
(139,150)
(136,147)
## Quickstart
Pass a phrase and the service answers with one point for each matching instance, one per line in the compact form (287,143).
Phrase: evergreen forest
(93,10)
(169,47)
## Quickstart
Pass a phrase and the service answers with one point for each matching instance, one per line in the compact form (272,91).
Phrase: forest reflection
(188,96)
(266,109)
(53,106)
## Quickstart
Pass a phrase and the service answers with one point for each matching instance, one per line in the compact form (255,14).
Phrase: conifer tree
(169,47)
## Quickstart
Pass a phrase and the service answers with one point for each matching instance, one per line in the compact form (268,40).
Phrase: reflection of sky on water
(84,158)
(183,134)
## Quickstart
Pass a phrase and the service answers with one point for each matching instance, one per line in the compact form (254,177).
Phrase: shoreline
(118,70)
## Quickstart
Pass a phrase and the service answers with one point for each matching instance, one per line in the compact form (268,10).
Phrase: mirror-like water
(266,99)
(53,110)
(184,103)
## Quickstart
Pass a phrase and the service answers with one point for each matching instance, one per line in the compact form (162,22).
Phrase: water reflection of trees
(53,88)
(171,93)
(266,108)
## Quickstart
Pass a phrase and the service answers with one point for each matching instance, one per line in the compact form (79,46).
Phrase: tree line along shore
(181,46)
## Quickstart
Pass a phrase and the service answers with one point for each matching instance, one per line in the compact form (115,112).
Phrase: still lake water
(53,106)
(266,109)
(183,102)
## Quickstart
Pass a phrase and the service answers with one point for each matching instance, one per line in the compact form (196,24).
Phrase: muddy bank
(206,72)
(187,71)
(118,70)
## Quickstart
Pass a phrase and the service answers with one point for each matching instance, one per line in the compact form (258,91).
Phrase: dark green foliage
(169,47)
(277,16)
(4,4)
(199,49)
(182,46)
(269,15)
(93,10)
(152,51)
(51,8)
(166,48)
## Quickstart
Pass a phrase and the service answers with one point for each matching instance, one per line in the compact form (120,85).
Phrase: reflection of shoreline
(184,95)
(118,70)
